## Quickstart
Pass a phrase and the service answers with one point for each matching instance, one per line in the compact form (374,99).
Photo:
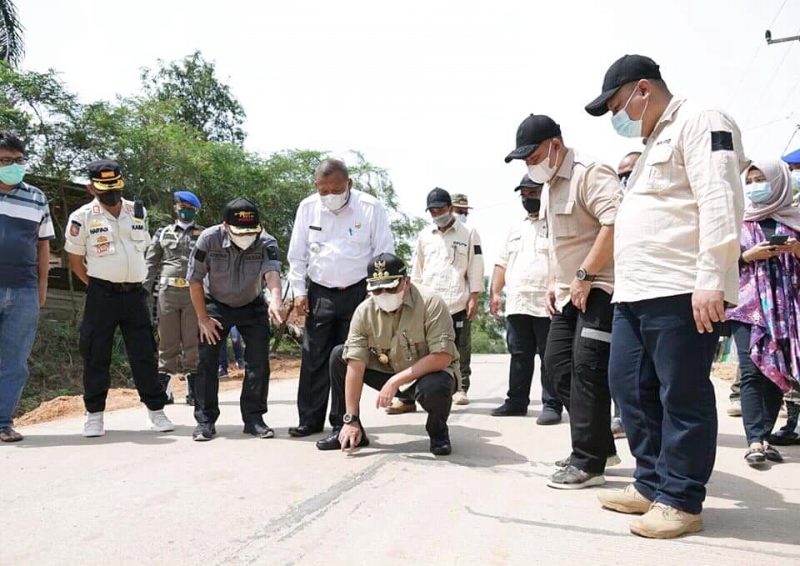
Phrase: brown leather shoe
(399,407)
(8,434)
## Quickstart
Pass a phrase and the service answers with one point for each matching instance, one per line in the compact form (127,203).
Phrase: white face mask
(334,202)
(462,218)
(542,172)
(443,220)
(389,302)
(243,242)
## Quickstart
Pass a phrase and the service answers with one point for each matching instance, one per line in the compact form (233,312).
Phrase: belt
(359,283)
(116,287)
(174,282)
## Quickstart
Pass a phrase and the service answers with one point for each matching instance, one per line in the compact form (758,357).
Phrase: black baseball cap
(533,130)
(438,198)
(105,175)
(241,216)
(528,183)
(385,271)
(626,69)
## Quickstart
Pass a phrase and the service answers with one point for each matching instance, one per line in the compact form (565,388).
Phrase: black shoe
(303,430)
(548,416)
(441,446)
(772,454)
(332,442)
(163,379)
(204,431)
(506,410)
(258,428)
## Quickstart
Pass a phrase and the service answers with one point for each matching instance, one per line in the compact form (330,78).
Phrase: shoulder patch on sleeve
(199,254)
(272,253)
(721,141)
(74,228)
(478,250)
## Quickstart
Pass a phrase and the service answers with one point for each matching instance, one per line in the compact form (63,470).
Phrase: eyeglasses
(5,161)
(393,291)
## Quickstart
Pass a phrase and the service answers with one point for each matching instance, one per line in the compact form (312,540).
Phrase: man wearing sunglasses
(401,334)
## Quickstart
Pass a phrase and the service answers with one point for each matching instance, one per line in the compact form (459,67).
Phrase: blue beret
(188,197)
(792,158)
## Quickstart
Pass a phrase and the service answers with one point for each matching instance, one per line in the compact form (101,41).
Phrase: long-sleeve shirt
(333,249)
(678,226)
(450,263)
(525,257)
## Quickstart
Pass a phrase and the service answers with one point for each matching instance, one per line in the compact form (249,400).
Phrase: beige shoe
(628,500)
(399,407)
(460,398)
(663,521)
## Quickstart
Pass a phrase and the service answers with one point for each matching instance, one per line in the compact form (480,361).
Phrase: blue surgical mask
(758,193)
(624,125)
(12,175)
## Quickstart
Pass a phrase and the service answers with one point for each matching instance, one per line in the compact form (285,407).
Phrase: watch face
(347,419)
(581,275)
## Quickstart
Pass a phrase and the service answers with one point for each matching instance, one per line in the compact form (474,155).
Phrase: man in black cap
(106,240)
(581,198)
(228,268)
(401,334)
(676,252)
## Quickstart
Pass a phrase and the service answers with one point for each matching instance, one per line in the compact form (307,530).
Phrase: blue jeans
(19,317)
(660,373)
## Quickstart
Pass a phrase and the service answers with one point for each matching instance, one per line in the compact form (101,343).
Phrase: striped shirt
(24,220)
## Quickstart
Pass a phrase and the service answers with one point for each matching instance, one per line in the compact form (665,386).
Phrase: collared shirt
(232,276)
(168,255)
(333,249)
(582,197)
(679,223)
(113,247)
(450,263)
(525,257)
(24,221)
(421,326)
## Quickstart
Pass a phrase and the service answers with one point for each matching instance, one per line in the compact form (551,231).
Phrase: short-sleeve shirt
(421,326)
(168,255)
(114,247)
(24,221)
(525,257)
(229,275)
(582,197)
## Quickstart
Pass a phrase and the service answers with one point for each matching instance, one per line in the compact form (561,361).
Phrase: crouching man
(400,334)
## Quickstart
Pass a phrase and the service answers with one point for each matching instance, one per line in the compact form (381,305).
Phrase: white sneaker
(460,398)
(159,421)
(94,425)
(735,409)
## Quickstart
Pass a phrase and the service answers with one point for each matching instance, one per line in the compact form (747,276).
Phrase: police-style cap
(528,183)
(533,130)
(626,69)
(187,197)
(385,271)
(792,158)
(461,200)
(241,216)
(438,198)
(105,175)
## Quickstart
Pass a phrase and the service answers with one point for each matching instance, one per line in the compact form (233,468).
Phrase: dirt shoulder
(120,398)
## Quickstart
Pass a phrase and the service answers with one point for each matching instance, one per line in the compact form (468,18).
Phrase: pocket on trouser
(594,349)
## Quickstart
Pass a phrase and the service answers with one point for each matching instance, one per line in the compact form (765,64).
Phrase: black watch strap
(349,419)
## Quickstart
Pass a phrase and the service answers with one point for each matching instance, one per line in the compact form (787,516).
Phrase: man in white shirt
(676,251)
(523,269)
(337,231)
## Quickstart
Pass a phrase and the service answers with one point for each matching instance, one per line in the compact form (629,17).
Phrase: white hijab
(779,205)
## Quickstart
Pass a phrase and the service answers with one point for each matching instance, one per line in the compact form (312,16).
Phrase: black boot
(190,388)
(163,379)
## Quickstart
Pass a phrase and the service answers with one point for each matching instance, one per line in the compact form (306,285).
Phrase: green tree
(198,98)
(12,48)
(488,332)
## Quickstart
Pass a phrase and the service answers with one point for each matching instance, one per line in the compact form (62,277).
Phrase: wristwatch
(349,419)
(582,275)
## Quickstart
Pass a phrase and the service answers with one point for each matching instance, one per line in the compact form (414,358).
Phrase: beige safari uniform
(679,223)
(392,342)
(167,261)
(582,197)
(525,257)
(113,248)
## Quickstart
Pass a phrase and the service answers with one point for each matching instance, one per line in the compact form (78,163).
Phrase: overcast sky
(434,91)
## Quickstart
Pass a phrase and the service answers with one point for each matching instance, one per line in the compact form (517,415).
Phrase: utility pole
(770,41)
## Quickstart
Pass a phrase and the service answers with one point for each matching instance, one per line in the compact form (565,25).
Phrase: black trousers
(576,359)
(327,325)
(251,321)
(526,336)
(434,392)
(109,306)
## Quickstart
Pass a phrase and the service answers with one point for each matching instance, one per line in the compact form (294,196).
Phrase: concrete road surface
(136,497)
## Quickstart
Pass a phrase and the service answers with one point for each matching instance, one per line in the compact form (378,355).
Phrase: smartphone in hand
(778,239)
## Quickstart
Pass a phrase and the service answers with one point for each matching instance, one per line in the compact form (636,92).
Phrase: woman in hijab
(765,323)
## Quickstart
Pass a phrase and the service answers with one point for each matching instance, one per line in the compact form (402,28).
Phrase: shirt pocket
(565,223)
(101,243)
(138,238)
(659,172)
(252,265)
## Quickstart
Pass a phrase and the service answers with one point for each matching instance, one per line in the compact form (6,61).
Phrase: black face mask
(532,205)
(110,198)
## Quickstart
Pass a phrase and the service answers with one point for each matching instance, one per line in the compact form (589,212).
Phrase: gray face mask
(443,220)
